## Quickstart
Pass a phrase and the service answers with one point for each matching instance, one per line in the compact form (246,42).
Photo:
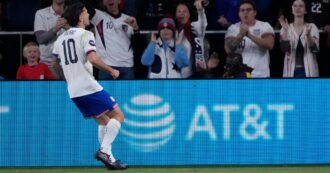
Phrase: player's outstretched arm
(98,63)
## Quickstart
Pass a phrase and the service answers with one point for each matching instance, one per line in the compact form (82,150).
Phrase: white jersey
(44,20)
(113,39)
(72,48)
(254,56)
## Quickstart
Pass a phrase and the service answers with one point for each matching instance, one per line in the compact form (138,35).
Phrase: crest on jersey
(256,32)
(91,42)
(124,27)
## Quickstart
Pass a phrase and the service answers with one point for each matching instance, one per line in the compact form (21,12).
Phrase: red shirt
(37,72)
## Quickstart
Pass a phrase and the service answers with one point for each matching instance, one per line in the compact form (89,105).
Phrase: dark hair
(307,17)
(235,59)
(73,12)
(251,2)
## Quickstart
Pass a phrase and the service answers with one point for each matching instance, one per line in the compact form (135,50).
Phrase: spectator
(115,34)
(48,25)
(251,38)
(300,42)
(317,11)
(165,56)
(235,67)
(33,70)
(193,37)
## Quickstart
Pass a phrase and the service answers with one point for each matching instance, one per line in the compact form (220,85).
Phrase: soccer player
(75,50)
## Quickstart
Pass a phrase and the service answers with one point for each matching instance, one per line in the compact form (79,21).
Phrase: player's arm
(98,63)
(58,68)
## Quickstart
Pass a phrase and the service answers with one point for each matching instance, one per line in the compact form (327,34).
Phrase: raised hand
(223,21)
(153,37)
(199,4)
(283,22)
(132,22)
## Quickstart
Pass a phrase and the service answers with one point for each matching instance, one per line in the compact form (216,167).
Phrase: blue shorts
(94,105)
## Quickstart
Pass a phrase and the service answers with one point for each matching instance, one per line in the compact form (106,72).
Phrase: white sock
(110,133)
(101,133)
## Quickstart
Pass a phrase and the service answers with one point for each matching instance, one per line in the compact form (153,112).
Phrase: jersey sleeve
(232,31)
(315,31)
(315,34)
(199,26)
(88,42)
(39,24)
(268,29)
(97,17)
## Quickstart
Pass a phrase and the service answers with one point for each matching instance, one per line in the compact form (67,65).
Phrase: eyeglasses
(242,10)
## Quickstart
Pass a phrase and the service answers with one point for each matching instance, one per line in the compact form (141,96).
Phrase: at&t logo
(149,122)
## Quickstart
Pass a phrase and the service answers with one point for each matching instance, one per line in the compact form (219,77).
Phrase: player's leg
(116,118)
(101,133)
(110,132)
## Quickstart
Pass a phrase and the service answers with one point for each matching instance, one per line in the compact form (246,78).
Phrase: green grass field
(213,169)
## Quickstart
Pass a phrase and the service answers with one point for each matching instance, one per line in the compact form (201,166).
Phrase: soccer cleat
(118,165)
(105,159)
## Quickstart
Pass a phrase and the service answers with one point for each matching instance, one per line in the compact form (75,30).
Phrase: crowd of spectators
(258,30)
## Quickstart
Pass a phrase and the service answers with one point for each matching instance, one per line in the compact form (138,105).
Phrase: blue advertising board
(171,122)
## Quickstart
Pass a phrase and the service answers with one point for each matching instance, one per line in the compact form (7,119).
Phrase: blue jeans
(299,72)
(124,73)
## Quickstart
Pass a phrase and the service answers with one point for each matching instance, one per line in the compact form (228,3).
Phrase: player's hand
(131,21)
(115,73)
